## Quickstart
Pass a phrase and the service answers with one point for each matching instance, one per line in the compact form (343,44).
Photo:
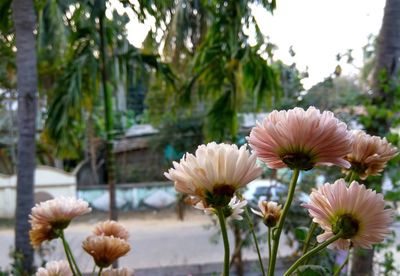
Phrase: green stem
(278,231)
(94,270)
(353,177)
(221,218)
(101,269)
(67,253)
(346,261)
(71,260)
(310,233)
(246,211)
(269,242)
(312,252)
(350,177)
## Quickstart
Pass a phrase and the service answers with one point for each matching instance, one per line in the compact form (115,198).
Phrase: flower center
(358,167)
(298,160)
(270,220)
(347,224)
(220,196)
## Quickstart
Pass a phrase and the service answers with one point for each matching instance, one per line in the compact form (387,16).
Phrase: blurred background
(98,97)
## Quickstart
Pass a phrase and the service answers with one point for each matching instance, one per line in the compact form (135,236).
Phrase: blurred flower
(359,213)
(370,154)
(270,212)
(111,228)
(214,173)
(40,233)
(233,210)
(124,271)
(48,217)
(58,212)
(301,139)
(55,268)
(104,249)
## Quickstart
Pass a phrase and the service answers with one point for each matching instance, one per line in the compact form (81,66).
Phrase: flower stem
(269,242)
(70,257)
(353,177)
(101,269)
(350,177)
(310,233)
(251,226)
(65,245)
(278,230)
(312,252)
(346,261)
(221,218)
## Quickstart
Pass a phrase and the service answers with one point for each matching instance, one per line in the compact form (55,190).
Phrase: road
(156,241)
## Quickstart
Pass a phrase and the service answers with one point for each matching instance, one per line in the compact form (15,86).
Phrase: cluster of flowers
(348,212)
(108,242)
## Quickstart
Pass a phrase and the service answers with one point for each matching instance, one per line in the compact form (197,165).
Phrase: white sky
(317,30)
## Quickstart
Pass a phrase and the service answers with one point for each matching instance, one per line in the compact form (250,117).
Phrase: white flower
(214,173)
(232,211)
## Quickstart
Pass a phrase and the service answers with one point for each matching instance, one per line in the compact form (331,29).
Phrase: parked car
(270,190)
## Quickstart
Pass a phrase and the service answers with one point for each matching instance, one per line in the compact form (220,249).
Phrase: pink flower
(52,215)
(301,139)
(111,228)
(124,271)
(370,154)
(214,173)
(105,249)
(55,268)
(58,212)
(358,213)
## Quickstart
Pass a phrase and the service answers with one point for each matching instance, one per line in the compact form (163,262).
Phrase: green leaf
(301,233)
(312,270)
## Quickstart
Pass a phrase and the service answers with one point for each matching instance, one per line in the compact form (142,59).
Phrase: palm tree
(24,21)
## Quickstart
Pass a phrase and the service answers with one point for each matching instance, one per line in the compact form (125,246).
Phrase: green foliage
(312,270)
(300,233)
(333,94)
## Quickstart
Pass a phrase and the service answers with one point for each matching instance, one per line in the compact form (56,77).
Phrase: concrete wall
(138,196)
(52,181)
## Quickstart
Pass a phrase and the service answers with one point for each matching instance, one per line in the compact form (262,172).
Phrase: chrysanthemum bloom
(301,139)
(118,272)
(104,249)
(270,212)
(55,268)
(111,228)
(58,212)
(358,213)
(232,211)
(370,154)
(214,173)
(40,233)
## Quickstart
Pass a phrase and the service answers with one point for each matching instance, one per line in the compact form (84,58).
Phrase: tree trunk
(385,83)
(110,163)
(25,20)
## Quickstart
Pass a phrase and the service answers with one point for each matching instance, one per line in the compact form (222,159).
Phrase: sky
(320,29)
(316,29)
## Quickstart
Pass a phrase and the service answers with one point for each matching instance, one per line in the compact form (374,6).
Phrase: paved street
(156,241)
